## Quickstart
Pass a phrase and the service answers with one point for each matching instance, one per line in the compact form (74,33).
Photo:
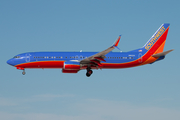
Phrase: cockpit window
(16,56)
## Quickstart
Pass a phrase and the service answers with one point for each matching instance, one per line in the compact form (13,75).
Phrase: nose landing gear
(20,68)
(89,72)
(23,72)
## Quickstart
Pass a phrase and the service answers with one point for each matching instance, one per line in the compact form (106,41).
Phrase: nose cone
(10,62)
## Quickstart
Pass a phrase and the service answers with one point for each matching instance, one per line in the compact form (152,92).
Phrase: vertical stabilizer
(157,41)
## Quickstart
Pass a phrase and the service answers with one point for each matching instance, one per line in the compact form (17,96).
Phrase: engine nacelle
(69,71)
(71,65)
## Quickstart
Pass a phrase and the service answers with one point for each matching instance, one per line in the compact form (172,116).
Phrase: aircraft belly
(120,65)
(42,64)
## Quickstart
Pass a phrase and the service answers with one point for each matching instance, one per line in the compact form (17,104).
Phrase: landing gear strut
(23,72)
(89,72)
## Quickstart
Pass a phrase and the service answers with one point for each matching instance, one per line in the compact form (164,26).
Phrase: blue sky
(146,92)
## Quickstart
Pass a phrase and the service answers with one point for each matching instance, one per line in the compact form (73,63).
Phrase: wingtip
(117,41)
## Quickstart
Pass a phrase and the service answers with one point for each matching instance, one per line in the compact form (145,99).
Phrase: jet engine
(71,67)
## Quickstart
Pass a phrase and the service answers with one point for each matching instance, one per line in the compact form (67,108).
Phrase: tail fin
(156,43)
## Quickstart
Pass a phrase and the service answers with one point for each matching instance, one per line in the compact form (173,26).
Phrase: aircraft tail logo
(157,41)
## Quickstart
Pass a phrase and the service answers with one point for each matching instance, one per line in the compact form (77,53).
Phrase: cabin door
(28,57)
(140,58)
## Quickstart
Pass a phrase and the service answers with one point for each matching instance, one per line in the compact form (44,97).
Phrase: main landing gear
(89,72)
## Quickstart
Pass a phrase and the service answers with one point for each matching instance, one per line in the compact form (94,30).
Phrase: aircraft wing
(97,58)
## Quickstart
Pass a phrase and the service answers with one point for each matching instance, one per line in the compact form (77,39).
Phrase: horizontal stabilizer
(162,53)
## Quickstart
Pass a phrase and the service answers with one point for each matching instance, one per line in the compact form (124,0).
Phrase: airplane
(72,62)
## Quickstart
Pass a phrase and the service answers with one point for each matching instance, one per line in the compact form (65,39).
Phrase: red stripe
(42,64)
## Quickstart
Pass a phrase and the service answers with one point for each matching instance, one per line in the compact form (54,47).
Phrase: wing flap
(96,62)
(100,59)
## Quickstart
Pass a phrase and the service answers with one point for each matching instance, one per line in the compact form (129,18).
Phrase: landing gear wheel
(89,72)
(23,72)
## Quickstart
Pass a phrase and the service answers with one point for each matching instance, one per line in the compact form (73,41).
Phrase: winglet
(117,41)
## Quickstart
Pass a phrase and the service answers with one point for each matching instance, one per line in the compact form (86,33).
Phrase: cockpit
(16,57)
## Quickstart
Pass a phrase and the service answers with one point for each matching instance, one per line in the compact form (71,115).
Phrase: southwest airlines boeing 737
(72,62)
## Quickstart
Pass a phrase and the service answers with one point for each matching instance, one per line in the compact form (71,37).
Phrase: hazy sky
(149,92)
